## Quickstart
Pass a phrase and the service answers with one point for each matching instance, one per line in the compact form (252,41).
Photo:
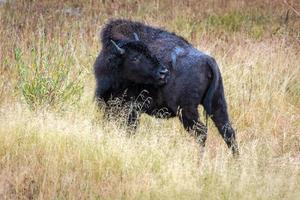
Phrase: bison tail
(208,98)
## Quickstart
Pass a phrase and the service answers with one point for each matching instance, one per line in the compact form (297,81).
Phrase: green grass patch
(251,22)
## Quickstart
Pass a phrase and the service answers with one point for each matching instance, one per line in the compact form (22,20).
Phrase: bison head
(138,64)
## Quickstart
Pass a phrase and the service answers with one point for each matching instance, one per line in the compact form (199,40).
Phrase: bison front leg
(133,119)
(189,117)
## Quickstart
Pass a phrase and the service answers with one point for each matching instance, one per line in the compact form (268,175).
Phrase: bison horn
(122,51)
(136,37)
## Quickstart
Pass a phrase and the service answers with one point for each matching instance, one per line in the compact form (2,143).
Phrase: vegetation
(54,144)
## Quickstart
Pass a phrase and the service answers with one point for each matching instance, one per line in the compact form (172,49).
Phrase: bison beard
(177,78)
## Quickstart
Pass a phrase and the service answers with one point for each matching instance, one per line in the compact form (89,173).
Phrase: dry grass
(60,148)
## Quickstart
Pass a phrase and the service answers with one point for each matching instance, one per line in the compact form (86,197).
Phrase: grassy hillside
(55,145)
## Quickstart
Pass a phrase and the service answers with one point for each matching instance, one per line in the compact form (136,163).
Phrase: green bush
(42,84)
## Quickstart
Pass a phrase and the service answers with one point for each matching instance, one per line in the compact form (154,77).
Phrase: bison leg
(133,119)
(190,119)
(221,120)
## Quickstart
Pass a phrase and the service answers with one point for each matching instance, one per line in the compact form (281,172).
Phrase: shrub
(42,84)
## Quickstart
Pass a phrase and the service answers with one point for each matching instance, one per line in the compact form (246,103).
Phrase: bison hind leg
(189,117)
(221,120)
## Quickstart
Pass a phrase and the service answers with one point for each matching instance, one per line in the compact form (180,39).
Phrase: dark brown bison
(176,77)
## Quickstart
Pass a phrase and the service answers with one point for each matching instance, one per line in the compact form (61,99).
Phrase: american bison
(176,77)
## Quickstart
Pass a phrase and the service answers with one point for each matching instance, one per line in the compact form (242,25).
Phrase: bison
(173,75)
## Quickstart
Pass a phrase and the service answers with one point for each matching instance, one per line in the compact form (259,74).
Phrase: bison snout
(163,73)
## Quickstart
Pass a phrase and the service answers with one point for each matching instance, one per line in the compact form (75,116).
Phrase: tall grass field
(55,143)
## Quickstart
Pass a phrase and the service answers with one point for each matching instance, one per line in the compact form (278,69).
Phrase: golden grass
(69,152)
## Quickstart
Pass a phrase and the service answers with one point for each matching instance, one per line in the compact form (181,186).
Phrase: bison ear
(120,50)
(136,37)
